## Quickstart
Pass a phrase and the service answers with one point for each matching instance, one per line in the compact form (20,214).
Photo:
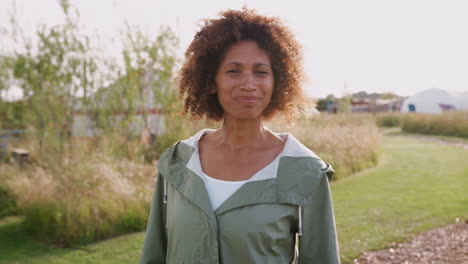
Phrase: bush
(88,200)
(388,119)
(454,123)
(7,202)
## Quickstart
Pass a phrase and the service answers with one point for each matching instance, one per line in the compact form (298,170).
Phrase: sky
(399,46)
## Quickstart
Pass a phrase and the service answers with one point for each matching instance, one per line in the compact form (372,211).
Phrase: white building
(434,101)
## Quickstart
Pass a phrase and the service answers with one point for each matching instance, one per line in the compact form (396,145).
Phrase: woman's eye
(262,72)
(233,71)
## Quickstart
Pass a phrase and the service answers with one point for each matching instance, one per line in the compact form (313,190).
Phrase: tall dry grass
(388,119)
(102,187)
(452,123)
(349,142)
(81,198)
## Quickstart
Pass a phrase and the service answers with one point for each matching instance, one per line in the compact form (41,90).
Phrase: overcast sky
(400,46)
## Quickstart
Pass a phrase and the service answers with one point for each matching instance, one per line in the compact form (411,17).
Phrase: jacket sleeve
(154,249)
(318,243)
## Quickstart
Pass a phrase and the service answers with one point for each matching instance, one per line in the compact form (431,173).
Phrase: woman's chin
(246,115)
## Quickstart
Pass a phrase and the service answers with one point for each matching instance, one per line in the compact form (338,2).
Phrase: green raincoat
(285,206)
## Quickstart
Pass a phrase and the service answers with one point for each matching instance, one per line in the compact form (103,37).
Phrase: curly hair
(211,42)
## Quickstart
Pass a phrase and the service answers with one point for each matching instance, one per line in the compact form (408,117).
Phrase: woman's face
(244,81)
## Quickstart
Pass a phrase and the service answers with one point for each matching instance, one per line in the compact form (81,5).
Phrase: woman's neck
(237,135)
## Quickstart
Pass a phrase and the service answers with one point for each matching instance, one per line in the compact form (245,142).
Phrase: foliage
(7,202)
(52,72)
(145,80)
(64,79)
(388,119)
(12,115)
(452,123)
(344,104)
(322,104)
(88,200)
(388,96)
(85,189)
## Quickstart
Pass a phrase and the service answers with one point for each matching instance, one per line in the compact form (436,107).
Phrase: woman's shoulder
(181,150)
(301,173)
(302,160)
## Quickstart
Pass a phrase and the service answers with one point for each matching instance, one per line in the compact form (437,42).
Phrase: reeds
(102,187)
(82,199)
(388,119)
(349,142)
(452,123)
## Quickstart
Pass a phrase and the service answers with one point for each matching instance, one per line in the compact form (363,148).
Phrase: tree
(63,71)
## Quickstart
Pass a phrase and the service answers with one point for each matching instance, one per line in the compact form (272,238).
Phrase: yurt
(431,101)
(461,101)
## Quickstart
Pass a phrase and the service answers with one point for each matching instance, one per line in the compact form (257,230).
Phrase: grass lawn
(417,186)
(396,131)
(16,247)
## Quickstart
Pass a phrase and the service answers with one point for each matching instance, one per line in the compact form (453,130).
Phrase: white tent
(431,101)
(461,101)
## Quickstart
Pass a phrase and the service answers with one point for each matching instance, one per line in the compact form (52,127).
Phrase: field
(102,187)
(416,186)
(450,123)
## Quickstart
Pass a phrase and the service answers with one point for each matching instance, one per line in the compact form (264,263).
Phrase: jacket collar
(285,180)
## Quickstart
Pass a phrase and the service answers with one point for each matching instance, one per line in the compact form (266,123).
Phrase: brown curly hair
(210,44)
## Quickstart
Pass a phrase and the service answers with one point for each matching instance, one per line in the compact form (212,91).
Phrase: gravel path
(447,245)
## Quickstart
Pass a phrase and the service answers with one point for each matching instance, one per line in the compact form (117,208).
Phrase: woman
(241,194)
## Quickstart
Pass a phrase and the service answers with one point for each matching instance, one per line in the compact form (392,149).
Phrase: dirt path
(447,245)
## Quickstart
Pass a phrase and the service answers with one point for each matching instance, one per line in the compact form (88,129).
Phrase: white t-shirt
(219,190)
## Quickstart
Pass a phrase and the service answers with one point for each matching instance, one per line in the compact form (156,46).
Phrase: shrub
(388,119)
(454,123)
(7,202)
(85,201)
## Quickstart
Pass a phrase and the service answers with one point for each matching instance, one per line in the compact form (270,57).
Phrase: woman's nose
(248,82)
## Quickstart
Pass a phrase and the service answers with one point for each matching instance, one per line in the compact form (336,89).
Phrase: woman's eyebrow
(263,64)
(239,64)
(233,63)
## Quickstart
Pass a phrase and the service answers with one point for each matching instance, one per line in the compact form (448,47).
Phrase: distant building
(83,125)
(147,113)
(376,105)
(434,101)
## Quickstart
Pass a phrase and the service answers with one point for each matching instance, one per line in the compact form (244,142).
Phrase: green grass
(417,186)
(18,248)
(398,132)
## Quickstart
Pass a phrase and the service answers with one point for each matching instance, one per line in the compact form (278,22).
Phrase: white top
(219,190)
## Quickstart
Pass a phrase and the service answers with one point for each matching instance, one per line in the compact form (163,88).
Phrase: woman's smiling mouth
(248,99)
